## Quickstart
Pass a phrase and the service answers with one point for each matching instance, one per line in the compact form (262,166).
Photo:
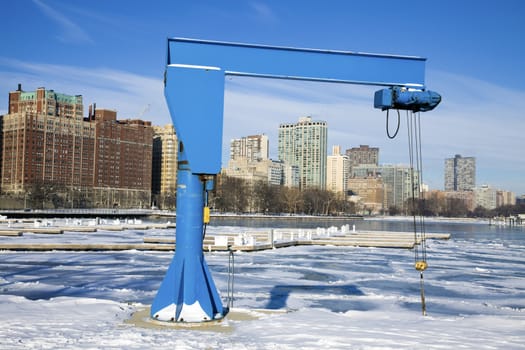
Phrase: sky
(113,53)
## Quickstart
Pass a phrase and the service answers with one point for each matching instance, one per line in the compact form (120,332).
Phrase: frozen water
(334,297)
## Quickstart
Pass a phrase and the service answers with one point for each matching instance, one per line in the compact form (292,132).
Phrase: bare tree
(292,199)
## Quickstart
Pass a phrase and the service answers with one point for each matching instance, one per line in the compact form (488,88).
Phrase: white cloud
(125,92)
(263,11)
(70,32)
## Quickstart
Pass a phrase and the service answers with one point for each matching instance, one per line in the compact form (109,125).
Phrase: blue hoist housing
(398,97)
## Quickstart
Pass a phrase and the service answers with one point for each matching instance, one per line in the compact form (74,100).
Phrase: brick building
(123,159)
(48,146)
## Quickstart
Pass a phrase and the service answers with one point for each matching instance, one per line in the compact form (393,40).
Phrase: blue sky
(113,53)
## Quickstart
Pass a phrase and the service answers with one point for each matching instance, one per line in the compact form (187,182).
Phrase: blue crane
(194,91)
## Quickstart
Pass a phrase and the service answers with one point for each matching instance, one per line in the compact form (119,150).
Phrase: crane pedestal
(188,293)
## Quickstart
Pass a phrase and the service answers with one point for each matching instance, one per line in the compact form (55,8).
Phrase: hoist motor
(398,97)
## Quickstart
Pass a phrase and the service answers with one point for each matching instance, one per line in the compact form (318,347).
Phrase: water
(462,230)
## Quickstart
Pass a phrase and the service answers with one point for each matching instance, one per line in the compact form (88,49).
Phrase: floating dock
(248,241)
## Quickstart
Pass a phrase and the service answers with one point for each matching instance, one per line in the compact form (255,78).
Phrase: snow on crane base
(141,318)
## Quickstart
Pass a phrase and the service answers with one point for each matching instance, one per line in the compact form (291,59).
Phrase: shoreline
(5,216)
(356,217)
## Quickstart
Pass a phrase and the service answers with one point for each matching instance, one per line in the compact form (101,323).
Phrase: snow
(306,297)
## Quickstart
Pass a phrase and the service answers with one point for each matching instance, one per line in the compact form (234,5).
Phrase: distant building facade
(460,173)
(46,141)
(467,197)
(370,192)
(304,145)
(164,160)
(485,196)
(505,198)
(362,155)
(397,180)
(253,148)
(291,175)
(268,171)
(337,171)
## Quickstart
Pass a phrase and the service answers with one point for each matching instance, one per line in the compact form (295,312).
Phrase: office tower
(460,173)
(164,167)
(253,148)
(304,145)
(336,171)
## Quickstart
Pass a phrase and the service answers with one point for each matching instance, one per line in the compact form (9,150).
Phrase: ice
(314,297)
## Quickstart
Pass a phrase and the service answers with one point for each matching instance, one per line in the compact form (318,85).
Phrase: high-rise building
(337,171)
(164,168)
(460,173)
(46,141)
(304,145)
(253,148)
(362,155)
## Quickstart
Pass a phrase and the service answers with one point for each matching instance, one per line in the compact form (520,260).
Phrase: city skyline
(113,53)
(48,141)
(260,144)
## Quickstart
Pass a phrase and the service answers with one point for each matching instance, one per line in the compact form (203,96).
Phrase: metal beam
(299,63)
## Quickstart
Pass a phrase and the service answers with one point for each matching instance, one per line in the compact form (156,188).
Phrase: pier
(246,241)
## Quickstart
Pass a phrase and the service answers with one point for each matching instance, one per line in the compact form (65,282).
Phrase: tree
(342,206)
(231,194)
(455,207)
(291,199)
(169,199)
(267,198)
(316,201)
(481,212)
(41,193)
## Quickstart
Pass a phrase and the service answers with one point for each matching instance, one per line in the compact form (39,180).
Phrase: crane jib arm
(194,83)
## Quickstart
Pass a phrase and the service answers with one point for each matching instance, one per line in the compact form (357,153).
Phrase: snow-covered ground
(324,297)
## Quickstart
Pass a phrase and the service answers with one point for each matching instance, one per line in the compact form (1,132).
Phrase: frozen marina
(321,297)
(241,240)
